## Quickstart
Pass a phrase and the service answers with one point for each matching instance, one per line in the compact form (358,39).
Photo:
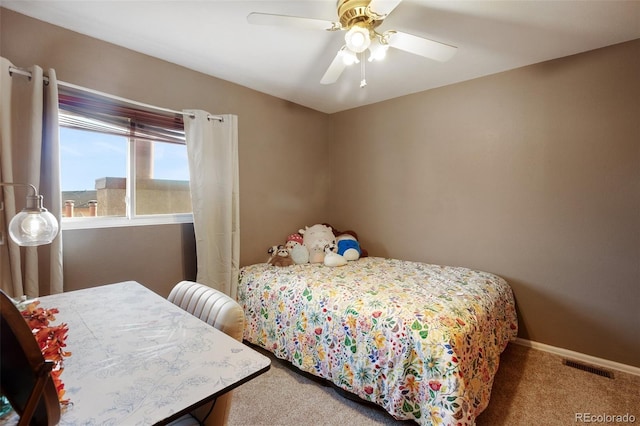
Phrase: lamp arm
(35,191)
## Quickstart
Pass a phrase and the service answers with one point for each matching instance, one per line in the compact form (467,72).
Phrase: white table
(138,359)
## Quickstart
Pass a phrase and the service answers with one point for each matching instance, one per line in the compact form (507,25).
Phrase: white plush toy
(331,258)
(315,239)
(299,253)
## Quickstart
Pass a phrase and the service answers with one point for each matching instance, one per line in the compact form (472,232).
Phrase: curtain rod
(26,73)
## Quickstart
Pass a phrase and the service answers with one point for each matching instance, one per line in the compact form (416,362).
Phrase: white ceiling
(213,37)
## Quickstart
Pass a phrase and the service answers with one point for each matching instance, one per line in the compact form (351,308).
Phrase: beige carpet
(531,388)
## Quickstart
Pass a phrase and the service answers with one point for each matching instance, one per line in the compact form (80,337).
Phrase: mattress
(422,341)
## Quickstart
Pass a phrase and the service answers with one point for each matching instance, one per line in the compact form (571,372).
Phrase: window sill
(72,223)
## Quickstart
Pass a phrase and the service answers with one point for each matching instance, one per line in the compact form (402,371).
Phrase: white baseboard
(579,356)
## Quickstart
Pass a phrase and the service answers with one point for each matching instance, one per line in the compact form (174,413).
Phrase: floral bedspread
(422,341)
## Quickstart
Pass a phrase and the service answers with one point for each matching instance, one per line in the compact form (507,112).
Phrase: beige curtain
(29,153)
(212,147)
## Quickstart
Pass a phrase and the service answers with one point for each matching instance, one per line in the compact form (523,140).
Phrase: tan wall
(282,146)
(157,255)
(533,174)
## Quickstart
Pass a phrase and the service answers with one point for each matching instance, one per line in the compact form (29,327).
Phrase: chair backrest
(211,306)
(223,313)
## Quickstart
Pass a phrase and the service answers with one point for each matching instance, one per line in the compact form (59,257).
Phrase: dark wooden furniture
(25,378)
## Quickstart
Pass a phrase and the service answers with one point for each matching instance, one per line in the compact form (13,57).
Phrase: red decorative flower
(51,341)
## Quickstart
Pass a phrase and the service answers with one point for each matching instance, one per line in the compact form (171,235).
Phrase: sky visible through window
(86,156)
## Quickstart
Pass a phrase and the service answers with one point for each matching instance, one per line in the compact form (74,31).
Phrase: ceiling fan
(360,19)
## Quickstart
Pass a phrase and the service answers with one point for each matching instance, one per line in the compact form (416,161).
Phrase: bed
(422,341)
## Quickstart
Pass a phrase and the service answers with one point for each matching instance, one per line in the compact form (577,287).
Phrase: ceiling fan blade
(335,69)
(383,7)
(292,21)
(422,46)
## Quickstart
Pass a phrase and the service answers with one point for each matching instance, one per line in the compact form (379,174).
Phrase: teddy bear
(331,258)
(299,253)
(279,256)
(315,238)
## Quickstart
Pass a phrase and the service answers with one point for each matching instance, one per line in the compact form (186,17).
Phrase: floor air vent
(588,368)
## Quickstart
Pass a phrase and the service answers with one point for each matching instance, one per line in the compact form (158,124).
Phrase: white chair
(223,313)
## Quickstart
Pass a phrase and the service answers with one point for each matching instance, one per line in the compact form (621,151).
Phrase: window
(120,164)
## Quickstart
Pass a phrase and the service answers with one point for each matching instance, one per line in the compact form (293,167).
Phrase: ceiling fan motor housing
(352,12)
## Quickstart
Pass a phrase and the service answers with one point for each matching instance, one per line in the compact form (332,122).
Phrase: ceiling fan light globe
(357,39)
(349,57)
(377,50)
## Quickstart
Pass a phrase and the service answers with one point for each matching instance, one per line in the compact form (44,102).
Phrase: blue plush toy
(348,246)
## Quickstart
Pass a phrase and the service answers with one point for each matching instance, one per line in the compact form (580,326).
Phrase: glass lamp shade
(377,50)
(357,39)
(33,226)
(349,57)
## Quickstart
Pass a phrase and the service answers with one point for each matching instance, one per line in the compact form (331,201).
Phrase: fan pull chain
(363,77)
